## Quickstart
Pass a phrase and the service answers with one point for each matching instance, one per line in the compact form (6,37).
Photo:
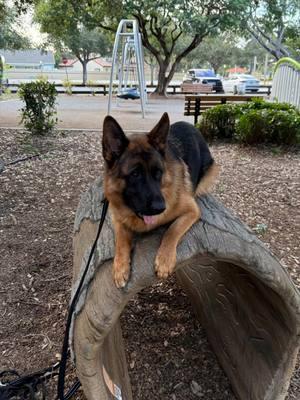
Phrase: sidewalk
(88,112)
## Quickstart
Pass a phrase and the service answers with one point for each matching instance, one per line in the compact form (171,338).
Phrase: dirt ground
(168,353)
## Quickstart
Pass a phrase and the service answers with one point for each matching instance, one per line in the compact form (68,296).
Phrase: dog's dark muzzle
(156,207)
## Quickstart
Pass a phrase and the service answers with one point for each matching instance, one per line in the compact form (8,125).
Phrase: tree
(69,31)
(244,54)
(20,6)
(292,41)
(164,23)
(268,24)
(9,37)
(214,52)
(151,61)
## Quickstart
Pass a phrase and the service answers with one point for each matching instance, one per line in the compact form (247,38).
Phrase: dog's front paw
(165,263)
(121,274)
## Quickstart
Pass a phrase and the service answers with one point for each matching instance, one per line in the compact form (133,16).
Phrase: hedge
(257,121)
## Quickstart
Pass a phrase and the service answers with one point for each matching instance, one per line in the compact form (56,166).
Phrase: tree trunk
(215,67)
(152,67)
(243,296)
(84,72)
(1,73)
(162,80)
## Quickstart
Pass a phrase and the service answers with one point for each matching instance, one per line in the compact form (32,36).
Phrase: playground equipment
(286,82)
(242,295)
(131,75)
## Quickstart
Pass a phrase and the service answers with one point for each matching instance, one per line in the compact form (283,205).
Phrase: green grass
(8,96)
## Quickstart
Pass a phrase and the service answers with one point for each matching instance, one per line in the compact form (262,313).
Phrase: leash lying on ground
(26,387)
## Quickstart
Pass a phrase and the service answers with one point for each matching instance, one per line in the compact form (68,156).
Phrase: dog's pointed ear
(114,141)
(158,136)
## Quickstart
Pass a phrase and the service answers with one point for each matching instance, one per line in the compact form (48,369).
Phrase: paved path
(88,112)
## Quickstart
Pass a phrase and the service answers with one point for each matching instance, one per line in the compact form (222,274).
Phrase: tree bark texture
(242,295)
(84,72)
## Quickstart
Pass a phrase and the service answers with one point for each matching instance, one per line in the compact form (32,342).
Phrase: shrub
(252,127)
(261,104)
(39,113)
(68,86)
(253,122)
(218,122)
(269,126)
(90,83)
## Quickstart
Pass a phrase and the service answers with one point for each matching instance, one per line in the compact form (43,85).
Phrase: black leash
(27,386)
(64,353)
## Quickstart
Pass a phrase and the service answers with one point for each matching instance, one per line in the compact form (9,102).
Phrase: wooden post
(197,109)
(242,295)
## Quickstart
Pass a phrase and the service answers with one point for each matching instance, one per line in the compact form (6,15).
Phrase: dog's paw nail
(164,264)
(162,274)
(121,278)
(162,270)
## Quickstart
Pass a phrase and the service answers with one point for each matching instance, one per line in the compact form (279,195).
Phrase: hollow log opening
(244,298)
(247,323)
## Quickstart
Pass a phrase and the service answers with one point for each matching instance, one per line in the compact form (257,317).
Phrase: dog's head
(139,161)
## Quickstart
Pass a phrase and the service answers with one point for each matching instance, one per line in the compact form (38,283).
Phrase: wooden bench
(196,104)
(194,88)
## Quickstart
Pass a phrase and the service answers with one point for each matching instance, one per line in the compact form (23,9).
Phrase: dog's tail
(208,180)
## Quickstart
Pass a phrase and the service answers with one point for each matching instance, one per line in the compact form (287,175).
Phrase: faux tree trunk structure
(242,295)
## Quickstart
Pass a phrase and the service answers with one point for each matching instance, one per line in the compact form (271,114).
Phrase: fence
(286,82)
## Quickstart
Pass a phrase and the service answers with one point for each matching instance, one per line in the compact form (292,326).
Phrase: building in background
(29,59)
(96,65)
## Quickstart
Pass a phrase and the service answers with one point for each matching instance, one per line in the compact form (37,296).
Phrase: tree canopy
(69,30)
(9,37)
(273,23)
(163,25)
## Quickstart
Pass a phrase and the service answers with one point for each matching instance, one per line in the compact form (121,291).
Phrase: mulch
(169,356)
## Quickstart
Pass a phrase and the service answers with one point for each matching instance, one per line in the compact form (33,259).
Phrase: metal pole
(139,66)
(128,29)
(113,62)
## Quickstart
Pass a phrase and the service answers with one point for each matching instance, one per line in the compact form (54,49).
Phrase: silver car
(232,83)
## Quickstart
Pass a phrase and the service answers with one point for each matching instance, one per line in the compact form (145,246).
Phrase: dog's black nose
(157,207)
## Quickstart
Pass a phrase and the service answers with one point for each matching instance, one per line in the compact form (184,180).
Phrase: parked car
(232,83)
(205,76)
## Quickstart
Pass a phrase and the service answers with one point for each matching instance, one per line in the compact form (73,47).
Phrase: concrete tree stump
(242,295)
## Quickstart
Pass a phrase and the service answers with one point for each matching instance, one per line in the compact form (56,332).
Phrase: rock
(196,389)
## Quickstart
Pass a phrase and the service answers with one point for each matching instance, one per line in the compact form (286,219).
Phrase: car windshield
(205,73)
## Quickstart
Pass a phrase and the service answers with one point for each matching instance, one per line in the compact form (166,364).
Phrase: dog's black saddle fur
(185,142)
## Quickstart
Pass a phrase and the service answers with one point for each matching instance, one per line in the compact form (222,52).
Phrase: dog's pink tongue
(149,219)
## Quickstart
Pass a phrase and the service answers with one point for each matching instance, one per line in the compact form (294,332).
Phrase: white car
(234,82)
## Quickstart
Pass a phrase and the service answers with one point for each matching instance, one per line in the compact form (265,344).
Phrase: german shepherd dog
(150,180)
